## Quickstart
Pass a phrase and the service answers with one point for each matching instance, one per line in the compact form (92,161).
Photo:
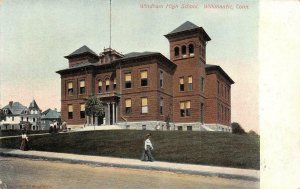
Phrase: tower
(187,51)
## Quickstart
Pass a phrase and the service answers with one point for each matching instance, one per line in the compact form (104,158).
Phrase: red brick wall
(188,66)
(215,101)
(76,99)
(153,91)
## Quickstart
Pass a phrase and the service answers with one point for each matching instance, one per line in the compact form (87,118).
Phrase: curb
(144,167)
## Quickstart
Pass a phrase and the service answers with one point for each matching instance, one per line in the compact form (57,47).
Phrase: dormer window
(183,51)
(191,50)
(176,51)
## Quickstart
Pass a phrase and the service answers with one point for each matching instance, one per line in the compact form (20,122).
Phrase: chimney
(11,103)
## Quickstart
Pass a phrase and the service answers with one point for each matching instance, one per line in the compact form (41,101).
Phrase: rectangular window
(144,105)
(219,112)
(115,83)
(190,83)
(99,86)
(228,95)
(188,108)
(189,128)
(161,79)
(222,86)
(70,88)
(185,108)
(181,84)
(21,118)
(202,84)
(33,119)
(144,127)
(107,85)
(179,128)
(202,113)
(144,78)
(12,118)
(82,111)
(128,108)
(70,112)
(182,111)
(161,106)
(128,80)
(218,88)
(82,87)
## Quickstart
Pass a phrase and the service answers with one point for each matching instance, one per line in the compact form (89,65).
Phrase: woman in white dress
(24,144)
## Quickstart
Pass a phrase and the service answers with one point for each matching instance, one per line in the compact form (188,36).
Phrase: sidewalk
(225,172)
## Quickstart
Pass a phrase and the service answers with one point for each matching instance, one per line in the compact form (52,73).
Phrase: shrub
(237,128)
(251,132)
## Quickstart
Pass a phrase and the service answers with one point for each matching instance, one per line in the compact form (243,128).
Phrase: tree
(237,128)
(94,107)
(2,115)
(251,132)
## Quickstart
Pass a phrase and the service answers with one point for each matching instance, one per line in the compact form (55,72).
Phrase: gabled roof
(46,111)
(33,105)
(211,67)
(188,27)
(82,50)
(50,114)
(16,108)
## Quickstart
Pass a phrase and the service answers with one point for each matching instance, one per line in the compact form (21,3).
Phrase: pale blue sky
(35,35)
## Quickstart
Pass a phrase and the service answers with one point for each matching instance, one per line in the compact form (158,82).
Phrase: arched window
(107,83)
(176,49)
(191,48)
(99,86)
(183,50)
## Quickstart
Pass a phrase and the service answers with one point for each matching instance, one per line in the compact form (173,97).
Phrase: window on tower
(191,50)
(183,50)
(176,49)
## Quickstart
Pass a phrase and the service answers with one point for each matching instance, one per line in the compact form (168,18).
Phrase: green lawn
(19,132)
(206,148)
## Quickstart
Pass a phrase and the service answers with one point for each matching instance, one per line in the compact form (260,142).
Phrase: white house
(17,115)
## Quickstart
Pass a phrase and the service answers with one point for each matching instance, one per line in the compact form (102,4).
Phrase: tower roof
(188,27)
(185,26)
(33,105)
(82,50)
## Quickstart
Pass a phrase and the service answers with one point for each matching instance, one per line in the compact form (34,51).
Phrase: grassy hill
(206,148)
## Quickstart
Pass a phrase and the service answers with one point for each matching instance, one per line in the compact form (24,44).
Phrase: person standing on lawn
(147,155)
(24,143)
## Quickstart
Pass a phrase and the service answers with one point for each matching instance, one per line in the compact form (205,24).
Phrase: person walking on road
(147,155)
(24,143)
